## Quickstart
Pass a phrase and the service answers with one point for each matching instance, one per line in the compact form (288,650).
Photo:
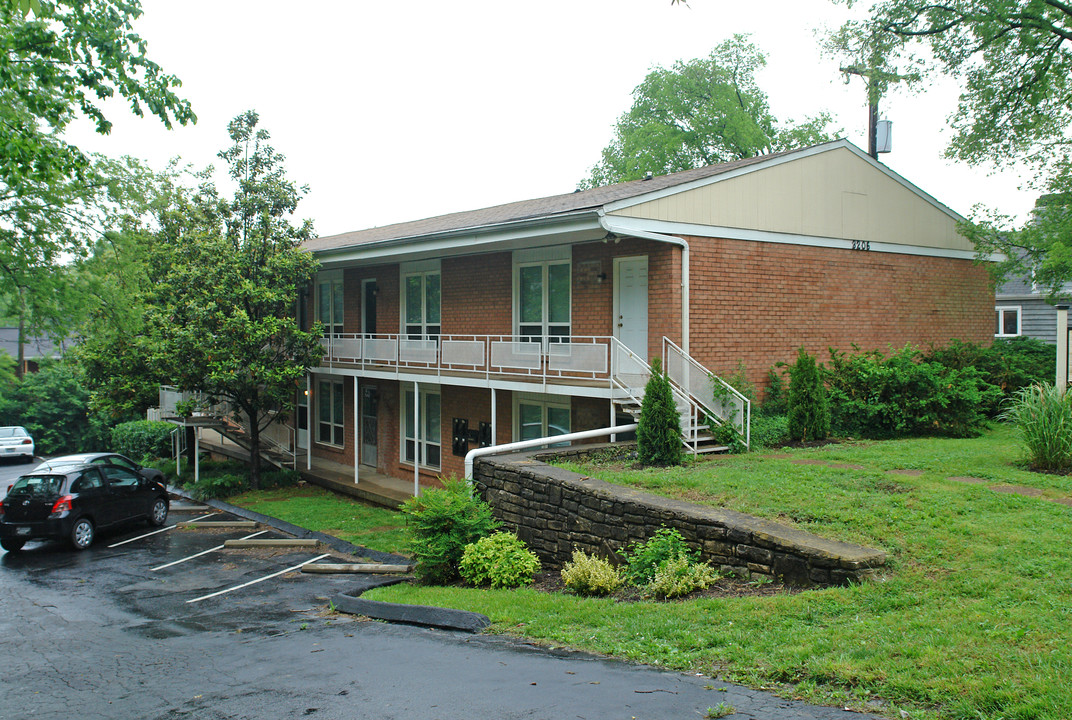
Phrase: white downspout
(611,226)
(472,455)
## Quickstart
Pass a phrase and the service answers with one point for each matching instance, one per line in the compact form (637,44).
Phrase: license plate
(22,531)
(9,450)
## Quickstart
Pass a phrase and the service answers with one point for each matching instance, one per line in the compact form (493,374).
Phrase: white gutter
(610,224)
(472,455)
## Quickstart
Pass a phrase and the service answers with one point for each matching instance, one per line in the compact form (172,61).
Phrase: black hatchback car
(73,503)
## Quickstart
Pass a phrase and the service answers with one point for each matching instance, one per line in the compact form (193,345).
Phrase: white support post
(416,439)
(357,432)
(494,418)
(613,438)
(1062,349)
(197,455)
(308,421)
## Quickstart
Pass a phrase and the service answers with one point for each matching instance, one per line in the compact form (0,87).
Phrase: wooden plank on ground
(279,542)
(355,568)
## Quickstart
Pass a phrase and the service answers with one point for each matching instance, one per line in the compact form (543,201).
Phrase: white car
(16,442)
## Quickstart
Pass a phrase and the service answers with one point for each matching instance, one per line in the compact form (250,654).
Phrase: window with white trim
(1007,321)
(543,300)
(330,402)
(427,443)
(329,302)
(421,301)
(538,416)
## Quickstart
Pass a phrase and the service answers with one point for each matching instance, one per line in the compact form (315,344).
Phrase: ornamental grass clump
(501,560)
(440,524)
(1043,415)
(591,575)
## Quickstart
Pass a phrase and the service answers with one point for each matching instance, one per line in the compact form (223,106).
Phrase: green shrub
(53,405)
(769,430)
(809,412)
(591,575)
(677,576)
(500,560)
(903,394)
(776,396)
(218,485)
(143,439)
(1009,364)
(659,428)
(440,524)
(642,559)
(1044,417)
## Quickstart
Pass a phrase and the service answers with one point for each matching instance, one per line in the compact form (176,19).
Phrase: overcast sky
(395,110)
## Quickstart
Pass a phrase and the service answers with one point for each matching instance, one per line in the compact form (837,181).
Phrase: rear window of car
(37,485)
(13,432)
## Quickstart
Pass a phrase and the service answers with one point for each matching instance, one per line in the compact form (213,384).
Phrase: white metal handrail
(568,357)
(726,405)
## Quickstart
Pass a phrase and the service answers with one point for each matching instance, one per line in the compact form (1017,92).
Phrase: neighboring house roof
(34,348)
(826,195)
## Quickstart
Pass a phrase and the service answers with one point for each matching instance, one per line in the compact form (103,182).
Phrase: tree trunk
(254,453)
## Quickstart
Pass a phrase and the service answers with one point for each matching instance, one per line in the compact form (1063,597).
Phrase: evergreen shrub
(809,412)
(903,394)
(679,576)
(441,523)
(659,428)
(500,560)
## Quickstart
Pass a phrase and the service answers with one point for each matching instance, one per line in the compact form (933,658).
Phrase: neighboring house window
(543,300)
(1007,321)
(330,429)
(421,302)
(427,444)
(329,302)
(539,416)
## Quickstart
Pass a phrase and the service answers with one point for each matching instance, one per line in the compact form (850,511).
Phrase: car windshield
(37,485)
(12,432)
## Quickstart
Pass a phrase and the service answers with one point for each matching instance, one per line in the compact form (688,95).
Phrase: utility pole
(873,94)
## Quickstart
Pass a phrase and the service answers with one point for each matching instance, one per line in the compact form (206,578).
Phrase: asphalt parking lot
(166,624)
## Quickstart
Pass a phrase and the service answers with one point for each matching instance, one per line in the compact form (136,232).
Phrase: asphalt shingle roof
(526,209)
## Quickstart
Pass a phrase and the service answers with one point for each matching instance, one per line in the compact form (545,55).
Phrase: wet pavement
(110,634)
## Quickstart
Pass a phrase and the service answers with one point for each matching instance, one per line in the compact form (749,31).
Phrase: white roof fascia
(637,226)
(559,229)
(775,161)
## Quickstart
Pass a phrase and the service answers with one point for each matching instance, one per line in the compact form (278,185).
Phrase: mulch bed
(726,587)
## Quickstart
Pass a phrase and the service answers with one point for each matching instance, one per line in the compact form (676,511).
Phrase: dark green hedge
(143,439)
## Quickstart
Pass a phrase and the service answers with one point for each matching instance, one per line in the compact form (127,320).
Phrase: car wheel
(158,516)
(11,544)
(82,534)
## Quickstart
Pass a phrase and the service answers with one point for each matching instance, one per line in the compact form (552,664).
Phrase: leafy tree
(53,405)
(1014,58)
(659,428)
(702,112)
(61,62)
(809,411)
(226,280)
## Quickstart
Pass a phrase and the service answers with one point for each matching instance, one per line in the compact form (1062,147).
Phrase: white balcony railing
(568,358)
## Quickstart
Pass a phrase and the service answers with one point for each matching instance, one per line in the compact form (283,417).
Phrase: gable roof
(547,207)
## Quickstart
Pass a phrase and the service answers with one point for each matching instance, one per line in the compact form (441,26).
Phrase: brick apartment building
(537,318)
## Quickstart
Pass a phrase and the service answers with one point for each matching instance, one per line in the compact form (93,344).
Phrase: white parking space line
(254,582)
(203,552)
(155,532)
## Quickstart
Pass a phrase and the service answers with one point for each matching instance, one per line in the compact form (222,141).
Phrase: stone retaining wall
(555,510)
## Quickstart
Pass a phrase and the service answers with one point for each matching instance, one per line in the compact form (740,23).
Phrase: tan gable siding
(833,194)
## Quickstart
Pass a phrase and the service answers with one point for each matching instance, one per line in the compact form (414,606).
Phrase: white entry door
(631,303)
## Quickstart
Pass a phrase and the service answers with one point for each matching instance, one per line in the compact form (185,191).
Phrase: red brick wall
(756,302)
(477,295)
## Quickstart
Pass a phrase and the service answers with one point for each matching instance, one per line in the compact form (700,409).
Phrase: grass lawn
(317,509)
(972,618)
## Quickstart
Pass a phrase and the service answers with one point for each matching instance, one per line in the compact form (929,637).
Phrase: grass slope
(971,620)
